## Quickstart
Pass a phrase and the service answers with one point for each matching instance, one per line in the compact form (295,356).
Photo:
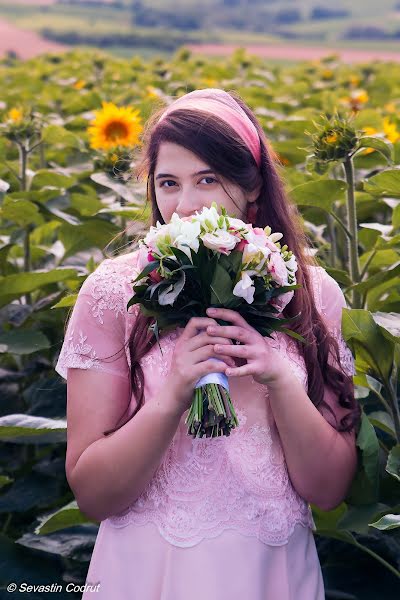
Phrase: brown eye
(166,181)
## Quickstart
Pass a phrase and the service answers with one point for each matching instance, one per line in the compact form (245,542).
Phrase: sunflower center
(116,130)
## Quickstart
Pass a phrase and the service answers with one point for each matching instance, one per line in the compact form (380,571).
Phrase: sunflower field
(70,131)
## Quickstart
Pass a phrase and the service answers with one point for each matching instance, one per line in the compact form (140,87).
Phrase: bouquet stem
(211,413)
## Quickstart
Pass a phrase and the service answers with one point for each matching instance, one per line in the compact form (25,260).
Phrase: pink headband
(220,103)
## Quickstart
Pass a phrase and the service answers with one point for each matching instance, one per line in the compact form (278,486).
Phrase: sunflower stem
(354,266)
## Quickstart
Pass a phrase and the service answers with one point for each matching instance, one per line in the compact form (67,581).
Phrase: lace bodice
(202,486)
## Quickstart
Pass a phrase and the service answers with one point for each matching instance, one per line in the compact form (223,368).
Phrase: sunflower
(79,84)
(15,115)
(151,92)
(331,138)
(369,131)
(357,100)
(390,130)
(390,107)
(114,126)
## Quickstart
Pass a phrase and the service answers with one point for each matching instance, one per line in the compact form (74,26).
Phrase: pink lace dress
(220,519)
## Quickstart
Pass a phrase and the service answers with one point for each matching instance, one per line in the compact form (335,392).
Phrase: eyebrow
(204,172)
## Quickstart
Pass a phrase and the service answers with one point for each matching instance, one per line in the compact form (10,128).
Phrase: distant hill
(316,19)
(158,26)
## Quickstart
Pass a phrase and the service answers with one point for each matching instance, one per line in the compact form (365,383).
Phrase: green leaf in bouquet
(169,296)
(221,287)
(148,312)
(285,288)
(293,334)
(138,296)
(181,255)
(156,332)
(148,268)
(153,288)
(254,310)
(205,263)
(231,263)
(234,303)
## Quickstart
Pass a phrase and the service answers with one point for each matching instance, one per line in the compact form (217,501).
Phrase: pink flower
(155,276)
(144,257)
(282,300)
(277,268)
(240,246)
(258,231)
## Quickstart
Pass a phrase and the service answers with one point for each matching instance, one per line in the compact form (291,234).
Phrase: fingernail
(211,311)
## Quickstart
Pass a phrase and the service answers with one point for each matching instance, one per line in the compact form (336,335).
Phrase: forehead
(172,157)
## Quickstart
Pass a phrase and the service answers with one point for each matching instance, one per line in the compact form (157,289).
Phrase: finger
(228,359)
(238,371)
(208,366)
(228,315)
(239,351)
(230,331)
(204,338)
(207,352)
(196,324)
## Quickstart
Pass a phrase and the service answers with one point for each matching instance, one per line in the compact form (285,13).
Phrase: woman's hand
(254,356)
(193,357)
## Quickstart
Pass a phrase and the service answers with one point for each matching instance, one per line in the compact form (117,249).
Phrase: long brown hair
(220,147)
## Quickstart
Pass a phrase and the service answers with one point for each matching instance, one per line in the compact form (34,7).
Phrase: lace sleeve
(95,333)
(330,301)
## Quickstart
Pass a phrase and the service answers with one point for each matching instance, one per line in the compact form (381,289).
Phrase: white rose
(245,288)
(220,240)
(237,223)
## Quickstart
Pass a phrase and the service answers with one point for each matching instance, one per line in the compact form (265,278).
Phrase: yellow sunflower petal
(115,126)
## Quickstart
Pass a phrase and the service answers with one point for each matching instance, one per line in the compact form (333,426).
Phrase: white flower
(274,237)
(261,240)
(180,234)
(221,241)
(255,254)
(184,232)
(245,288)
(210,215)
(237,223)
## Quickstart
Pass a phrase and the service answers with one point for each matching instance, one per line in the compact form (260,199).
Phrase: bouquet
(213,260)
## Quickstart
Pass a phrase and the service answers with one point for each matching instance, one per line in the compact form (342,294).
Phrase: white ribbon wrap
(220,378)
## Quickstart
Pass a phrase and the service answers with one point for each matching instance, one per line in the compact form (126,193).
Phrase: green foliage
(62,203)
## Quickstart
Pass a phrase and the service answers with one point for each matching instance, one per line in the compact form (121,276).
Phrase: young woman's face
(181,187)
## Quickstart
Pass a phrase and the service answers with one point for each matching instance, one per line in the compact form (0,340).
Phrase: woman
(221,518)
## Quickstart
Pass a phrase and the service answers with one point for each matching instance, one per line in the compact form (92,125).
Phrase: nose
(187,204)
